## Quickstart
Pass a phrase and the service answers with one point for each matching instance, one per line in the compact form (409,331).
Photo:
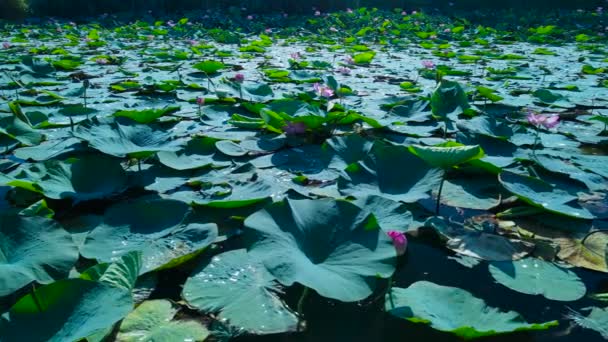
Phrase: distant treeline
(70,8)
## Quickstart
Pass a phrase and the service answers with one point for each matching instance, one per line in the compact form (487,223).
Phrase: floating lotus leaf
(154,320)
(331,246)
(454,310)
(243,292)
(535,276)
(33,249)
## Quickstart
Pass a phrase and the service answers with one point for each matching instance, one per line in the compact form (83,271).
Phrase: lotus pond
(354,176)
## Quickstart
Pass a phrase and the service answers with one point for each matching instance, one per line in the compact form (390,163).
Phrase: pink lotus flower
(249,17)
(547,121)
(239,78)
(399,241)
(427,64)
(317,13)
(193,42)
(344,71)
(447,30)
(323,91)
(414,12)
(349,59)
(294,128)
(404,13)
(285,15)
(268,30)
(349,10)
(200,101)
(102,61)
(6,45)
(171,23)
(296,56)
(333,29)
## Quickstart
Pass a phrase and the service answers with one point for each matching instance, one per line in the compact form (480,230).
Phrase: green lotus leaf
(381,173)
(156,227)
(454,310)
(120,140)
(122,273)
(391,215)
(538,277)
(448,155)
(447,98)
(154,320)
(33,249)
(87,178)
(331,246)
(67,310)
(227,189)
(147,115)
(209,67)
(242,292)
(14,128)
(198,153)
(255,92)
(544,195)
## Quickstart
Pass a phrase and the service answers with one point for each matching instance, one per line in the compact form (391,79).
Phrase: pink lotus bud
(240,78)
(399,241)
(427,64)
(200,101)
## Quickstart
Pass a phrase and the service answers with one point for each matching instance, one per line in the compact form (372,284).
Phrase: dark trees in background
(12,8)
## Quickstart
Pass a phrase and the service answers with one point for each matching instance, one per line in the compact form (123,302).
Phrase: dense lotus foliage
(362,174)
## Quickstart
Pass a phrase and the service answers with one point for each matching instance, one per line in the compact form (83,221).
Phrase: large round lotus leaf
(348,149)
(156,227)
(390,215)
(489,247)
(209,67)
(537,277)
(242,291)
(49,149)
(120,140)
(448,97)
(472,192)
(33,249)
(67,310)
(544,195)
(383,173)
(19,130)
(122,274)
(198,152)
(448,155)
(255,92)
(147,115)
(333,247)
(153,321)
(227,190)
(91,177)
(454,310)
